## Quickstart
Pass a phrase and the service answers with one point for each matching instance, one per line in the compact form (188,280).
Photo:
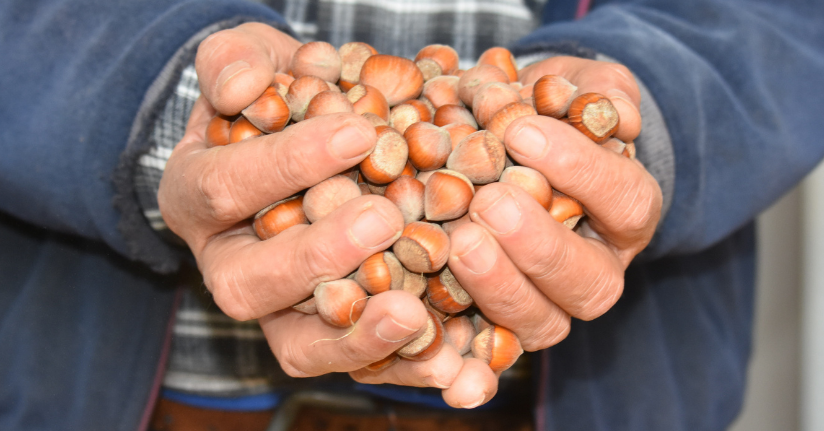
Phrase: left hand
(528,272)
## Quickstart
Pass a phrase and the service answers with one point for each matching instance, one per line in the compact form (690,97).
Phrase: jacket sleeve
(739,87)
(73,80)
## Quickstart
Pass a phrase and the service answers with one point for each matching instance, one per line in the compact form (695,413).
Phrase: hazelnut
(447,195)
(279,216)
(506,115)
(283,79)
(408,194)
(217,132)
(422,247)
(426,345)
(429,145)
(340,302)
(450,226)
(352,57)
(317,58)
(383,363)
(480,156)
(491,98)
(502,59)
(375,120)
(497,346)
(388,159)
(409,170)
(442,90)
(531,181)
(552,95)
(402,116)
(307,306)
(398,79)
(426,111)
(269,112)
(445,56)
(459,332)
(365,99)
(454,114)
(423,176)
(414,283)
(327,102)
(480,322)
(429,68)
(565,209)
(526,91)
(301,93)
(243,129)
(458,131)
(446,294)
(327,195)
(474,78)
(379,273)
(594,116)
(629,151)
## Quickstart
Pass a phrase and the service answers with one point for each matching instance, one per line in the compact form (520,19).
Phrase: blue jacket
(82,320)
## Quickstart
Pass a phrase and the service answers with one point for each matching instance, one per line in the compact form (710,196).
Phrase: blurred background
(786,376)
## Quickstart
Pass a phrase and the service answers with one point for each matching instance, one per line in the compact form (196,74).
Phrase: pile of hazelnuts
(440,137)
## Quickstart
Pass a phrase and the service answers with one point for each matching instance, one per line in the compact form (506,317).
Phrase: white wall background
(786,376)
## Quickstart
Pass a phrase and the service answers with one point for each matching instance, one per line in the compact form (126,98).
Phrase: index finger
(235,66)
(590,76)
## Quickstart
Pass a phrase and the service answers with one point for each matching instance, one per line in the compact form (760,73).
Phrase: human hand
(531,274)
(207,196)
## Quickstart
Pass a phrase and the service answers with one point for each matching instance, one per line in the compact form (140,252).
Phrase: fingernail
(432,382)
(503,215)
(349,142)
(371,229)
(231,71)
(391,331)
(473,404)
(480,258)
(529,142)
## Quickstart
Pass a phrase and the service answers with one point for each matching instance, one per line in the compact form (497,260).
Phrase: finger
(475,385)
(306,346)
(223,185)
(623,199)
(504,294)
(234,66)
(250,278)
(437,372)
(610,79)
(582,275)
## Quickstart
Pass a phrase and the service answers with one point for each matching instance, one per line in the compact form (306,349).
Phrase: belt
(316,411)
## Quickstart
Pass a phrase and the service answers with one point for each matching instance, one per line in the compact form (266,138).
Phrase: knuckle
(289,357)
(575,170)
(361,353)
(551,332)
(215,187)
(323,262)
(643,209)
(552,256)
(602,294)
(292,170)
(511,298)
(228,293)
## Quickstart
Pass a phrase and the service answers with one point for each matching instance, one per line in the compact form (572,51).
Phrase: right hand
(208,195)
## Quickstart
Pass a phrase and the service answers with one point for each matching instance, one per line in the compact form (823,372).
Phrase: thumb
(235,66)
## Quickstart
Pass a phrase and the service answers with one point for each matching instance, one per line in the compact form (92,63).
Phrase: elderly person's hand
(528,272)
